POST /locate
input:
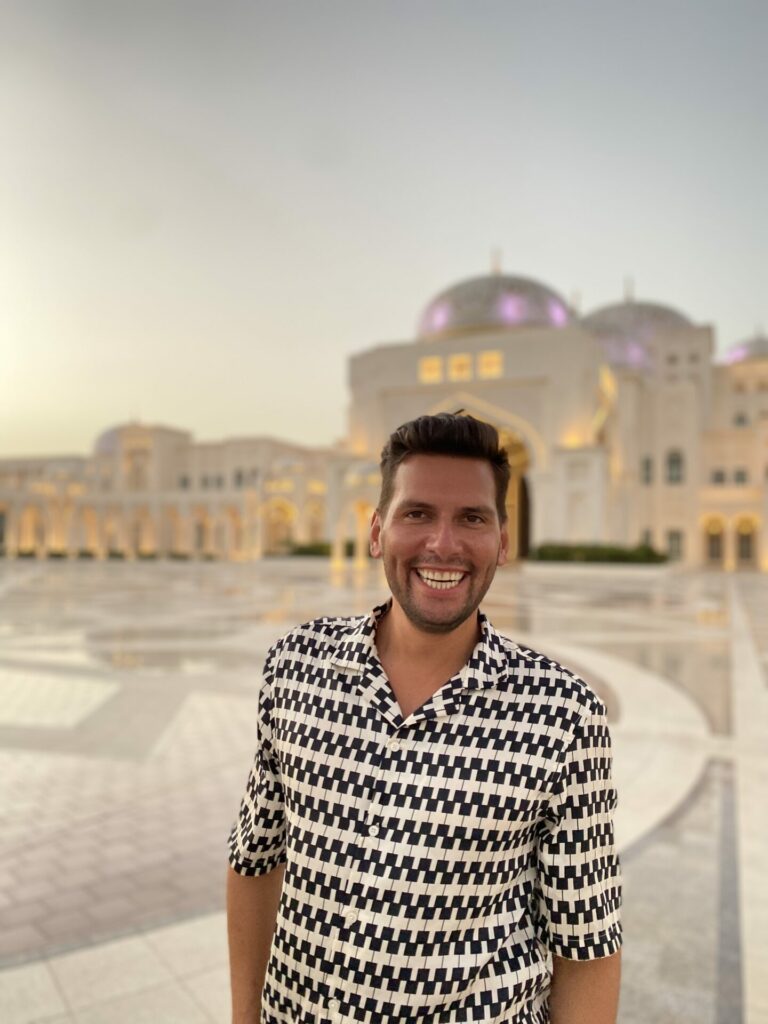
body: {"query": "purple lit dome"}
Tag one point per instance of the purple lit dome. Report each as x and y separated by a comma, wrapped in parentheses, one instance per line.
(626, 329)
(493, 303)
(755, 347)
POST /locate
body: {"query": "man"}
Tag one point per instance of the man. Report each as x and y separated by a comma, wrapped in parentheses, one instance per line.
(426, 834)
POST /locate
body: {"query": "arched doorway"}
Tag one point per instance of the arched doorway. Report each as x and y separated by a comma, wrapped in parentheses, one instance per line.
(31, 532)
(714, 543)
(518, 500)
(746, 543)
(279, 521)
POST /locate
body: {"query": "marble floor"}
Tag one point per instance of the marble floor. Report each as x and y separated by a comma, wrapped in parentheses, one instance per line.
(126, 733)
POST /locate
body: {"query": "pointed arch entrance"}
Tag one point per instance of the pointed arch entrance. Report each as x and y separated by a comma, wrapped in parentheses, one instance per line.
(518, 498)
(528, 455)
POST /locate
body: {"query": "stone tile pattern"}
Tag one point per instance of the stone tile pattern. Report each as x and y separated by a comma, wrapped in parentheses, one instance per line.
(117, 824)
(133, 835)
(675, 956)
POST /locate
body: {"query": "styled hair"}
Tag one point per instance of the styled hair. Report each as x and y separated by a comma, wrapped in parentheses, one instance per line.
(447, 433)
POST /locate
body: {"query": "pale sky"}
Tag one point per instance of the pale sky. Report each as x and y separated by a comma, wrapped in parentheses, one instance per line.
(206, 207)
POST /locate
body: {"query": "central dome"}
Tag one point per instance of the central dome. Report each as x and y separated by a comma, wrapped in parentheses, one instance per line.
(491, 303)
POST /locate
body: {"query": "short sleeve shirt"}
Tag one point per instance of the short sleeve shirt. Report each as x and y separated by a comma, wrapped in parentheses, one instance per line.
(433, 863)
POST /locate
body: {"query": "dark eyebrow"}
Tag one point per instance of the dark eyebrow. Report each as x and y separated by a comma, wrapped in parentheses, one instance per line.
(477, 510)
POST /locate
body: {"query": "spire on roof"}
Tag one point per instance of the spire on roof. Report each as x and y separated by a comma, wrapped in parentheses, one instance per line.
(496, 261)
(629, 288)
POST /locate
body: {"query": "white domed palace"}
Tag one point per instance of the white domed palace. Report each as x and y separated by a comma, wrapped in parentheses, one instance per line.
(620, 425)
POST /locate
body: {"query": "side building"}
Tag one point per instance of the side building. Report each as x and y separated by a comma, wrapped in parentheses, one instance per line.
(152, 491)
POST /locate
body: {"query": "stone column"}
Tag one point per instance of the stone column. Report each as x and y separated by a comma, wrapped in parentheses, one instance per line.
(338, 556)
(11, 531)
(361, 536)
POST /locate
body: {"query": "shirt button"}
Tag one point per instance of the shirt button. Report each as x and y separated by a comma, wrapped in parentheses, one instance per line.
(351, 917)
(373, 830)
(333, 1006)
(394, 744)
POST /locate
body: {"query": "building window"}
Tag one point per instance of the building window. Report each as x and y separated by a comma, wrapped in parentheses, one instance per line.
(741, 420)
(430, 370)
(717, 476)
(739, 387)
(740, 475)
(220, 481)
(675, 467)
(490, 365)
(239, 478)
(646, 469)
(184, 483)
(671, 359)
(204, 482)
(646, 538)
(460, 367)
(675, 545)
(693, 357)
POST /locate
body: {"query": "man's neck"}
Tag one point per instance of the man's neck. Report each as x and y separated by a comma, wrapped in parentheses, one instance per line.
(398, 640)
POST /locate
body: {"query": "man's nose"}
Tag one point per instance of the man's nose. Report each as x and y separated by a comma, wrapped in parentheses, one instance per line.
(443, 538)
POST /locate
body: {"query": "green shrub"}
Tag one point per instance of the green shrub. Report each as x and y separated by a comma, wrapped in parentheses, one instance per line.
(321, 548)
(641, 553)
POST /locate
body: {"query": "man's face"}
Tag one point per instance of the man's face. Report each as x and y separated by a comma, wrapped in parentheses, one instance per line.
(440, 539)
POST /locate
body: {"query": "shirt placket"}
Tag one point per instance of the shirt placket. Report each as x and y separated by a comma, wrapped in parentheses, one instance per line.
(388, 759)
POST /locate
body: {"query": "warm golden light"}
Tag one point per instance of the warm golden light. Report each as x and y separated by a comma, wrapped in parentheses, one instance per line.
(573, 439)
(431, 369)
(490, 364)
(460, 367)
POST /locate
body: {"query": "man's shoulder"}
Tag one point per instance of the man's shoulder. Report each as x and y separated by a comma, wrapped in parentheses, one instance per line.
(544, 678)
(319, 636)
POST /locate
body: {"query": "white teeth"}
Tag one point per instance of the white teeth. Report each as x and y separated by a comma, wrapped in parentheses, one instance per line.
(439, 580)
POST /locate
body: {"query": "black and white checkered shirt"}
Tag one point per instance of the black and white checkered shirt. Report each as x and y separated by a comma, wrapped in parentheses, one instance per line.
(432, 863)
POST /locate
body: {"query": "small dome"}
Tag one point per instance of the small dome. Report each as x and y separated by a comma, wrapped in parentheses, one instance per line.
(625, 329)
(491, 303)
(755, 347)
(108, 442)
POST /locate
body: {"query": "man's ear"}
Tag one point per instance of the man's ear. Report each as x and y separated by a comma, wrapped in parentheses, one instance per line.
(376, 534)
(504, 545)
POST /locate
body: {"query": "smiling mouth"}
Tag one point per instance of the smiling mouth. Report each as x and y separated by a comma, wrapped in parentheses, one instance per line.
(437, 580)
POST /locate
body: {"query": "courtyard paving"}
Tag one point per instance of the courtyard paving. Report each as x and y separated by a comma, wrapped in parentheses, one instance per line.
(127, 701)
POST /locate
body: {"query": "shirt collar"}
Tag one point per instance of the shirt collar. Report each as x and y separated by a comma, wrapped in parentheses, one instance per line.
(487, 664)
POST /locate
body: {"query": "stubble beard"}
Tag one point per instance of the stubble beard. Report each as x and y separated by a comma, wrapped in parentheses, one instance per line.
(403, 596)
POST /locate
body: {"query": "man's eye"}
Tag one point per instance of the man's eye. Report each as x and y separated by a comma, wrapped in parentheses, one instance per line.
(472, 518)
(414, 513)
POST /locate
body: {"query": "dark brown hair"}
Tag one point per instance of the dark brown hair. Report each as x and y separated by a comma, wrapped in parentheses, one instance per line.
(447, 433)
